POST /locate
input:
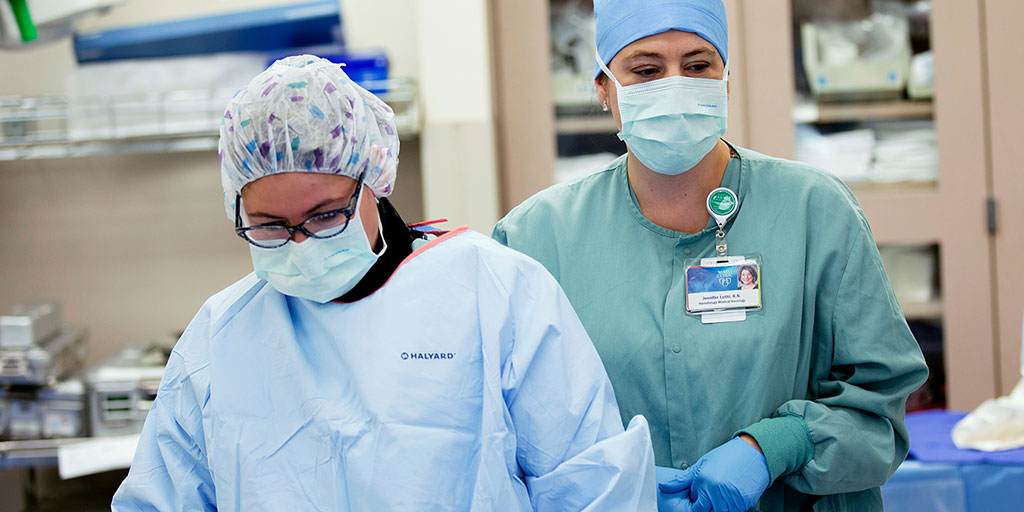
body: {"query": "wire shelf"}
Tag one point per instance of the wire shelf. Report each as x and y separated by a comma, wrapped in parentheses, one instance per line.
(185, 120)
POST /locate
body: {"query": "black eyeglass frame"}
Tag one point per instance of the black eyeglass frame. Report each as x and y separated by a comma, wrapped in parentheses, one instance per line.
(348, 211)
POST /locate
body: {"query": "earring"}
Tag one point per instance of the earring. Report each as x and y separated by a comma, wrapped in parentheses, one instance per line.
(604, 106)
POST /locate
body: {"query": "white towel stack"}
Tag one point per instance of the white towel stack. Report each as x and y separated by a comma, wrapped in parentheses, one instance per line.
(847, 154)
(888, 152)
(906, 152)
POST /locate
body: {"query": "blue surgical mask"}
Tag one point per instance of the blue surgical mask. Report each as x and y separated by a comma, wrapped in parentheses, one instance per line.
(672, 123)
(319, 269)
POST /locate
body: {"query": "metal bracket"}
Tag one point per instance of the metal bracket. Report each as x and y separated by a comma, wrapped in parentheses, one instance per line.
(990, 215)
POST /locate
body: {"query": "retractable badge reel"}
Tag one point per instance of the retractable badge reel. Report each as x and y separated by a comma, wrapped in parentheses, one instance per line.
(722, 204)
(723, 288)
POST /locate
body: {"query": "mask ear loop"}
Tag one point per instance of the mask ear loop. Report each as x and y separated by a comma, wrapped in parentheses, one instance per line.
(380, 223)
(607, 71)
(383, 241)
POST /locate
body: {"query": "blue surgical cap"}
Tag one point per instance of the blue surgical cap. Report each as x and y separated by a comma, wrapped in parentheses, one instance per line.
(620, 22)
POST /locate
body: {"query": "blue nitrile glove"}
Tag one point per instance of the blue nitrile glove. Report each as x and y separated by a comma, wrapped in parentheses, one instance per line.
(730, 478)
(678, 498)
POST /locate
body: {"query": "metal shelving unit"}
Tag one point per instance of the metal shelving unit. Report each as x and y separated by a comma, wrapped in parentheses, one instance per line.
(809, 111)
(32, 453)
(68, 127)
(585, 124)
(74, 457)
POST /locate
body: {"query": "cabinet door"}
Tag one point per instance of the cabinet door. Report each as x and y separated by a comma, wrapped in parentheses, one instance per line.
(1005, 48)
(947, 212)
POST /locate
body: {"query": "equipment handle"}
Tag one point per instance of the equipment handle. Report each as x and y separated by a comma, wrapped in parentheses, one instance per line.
(24, 19)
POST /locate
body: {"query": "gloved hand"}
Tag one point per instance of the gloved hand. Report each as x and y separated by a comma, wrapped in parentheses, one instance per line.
(678, 498)
(730, 478)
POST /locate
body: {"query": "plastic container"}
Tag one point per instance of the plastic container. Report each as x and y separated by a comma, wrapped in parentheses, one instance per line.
(62, 410)
(260, 30)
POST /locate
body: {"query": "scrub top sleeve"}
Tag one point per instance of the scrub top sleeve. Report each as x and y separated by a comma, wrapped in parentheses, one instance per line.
(169, 471)
(856, 421)
(570, 442)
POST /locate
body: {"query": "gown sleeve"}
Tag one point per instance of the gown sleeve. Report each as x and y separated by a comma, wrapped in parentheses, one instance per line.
(170, 470)
(851, 435)
(570, 444)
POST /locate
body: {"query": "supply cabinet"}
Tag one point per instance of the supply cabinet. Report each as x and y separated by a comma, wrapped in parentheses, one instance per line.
(932, 158)
(949, 212)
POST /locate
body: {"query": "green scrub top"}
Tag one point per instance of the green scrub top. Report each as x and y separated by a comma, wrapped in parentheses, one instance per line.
(819, 376)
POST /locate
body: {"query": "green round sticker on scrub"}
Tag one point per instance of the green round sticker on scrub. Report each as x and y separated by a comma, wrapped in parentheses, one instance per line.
(722, 204)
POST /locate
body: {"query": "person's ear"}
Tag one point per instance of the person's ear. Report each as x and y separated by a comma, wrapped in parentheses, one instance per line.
(602, 91)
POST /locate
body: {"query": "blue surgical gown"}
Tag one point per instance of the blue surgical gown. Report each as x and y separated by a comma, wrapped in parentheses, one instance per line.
(465, 383)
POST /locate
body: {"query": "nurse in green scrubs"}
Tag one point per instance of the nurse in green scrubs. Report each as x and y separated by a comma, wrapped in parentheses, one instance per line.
(799, 404)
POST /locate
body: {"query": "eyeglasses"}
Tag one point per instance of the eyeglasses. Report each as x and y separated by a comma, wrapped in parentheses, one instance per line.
(321, 225)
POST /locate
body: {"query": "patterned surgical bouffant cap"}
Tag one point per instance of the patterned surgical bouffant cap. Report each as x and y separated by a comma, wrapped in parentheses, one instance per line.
(304, 114)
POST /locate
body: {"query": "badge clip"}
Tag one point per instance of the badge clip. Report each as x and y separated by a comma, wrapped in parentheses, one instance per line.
(722, 204)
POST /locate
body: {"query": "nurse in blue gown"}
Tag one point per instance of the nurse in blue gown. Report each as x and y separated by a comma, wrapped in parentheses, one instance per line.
(364, 365)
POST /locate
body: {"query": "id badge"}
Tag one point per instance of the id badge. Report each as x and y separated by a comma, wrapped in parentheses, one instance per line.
(723, 289)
